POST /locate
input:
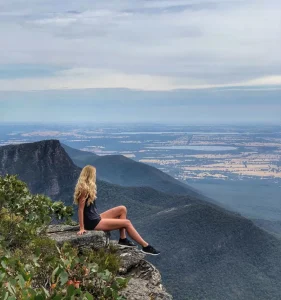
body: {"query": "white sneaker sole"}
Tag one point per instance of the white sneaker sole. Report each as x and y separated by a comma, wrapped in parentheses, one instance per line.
(124, 246)
(149, 253)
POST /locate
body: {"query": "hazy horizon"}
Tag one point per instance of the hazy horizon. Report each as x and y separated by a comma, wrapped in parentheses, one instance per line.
(141, 123)
(210, 106)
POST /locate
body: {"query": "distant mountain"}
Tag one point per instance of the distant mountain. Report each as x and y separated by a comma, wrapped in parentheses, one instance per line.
(270, 226)
(207, 251)
(119, 169)
(44, 165)
(80, 156)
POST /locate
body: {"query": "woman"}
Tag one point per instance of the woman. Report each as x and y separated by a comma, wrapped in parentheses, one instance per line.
(115, 218)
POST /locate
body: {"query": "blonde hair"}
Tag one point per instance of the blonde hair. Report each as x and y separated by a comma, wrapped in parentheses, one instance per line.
(86, 184)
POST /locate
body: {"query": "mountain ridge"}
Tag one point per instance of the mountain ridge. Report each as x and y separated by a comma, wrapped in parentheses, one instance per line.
(43, 165)
(121, 170)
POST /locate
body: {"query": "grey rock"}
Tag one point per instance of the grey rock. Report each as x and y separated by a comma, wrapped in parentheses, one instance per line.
(146, 271)
(91, 239)
(130, 257)
(62, 228)
(145, 283)
(139, 289)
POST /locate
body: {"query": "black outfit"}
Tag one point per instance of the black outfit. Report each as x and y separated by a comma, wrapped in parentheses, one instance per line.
(91, 216)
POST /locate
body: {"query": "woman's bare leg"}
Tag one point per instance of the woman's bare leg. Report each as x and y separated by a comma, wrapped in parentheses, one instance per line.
(116, 212)
(113, 224)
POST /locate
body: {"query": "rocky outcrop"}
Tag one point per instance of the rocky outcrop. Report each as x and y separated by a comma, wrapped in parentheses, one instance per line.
(90, 239)
(145, 282)
(44, 166)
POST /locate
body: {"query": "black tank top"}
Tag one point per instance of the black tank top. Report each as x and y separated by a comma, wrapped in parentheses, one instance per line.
(91, 212)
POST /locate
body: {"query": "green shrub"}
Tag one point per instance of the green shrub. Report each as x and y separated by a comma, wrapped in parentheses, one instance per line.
(15, 231)
(71, 277)
(105, 258)
(22, 215)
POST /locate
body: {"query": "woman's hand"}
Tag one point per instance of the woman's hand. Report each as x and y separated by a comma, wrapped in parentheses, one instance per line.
(81, 231)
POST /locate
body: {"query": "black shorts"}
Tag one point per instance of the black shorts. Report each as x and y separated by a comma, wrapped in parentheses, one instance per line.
(91, 224)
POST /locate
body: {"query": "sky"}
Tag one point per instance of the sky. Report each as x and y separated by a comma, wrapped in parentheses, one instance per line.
(140, 60)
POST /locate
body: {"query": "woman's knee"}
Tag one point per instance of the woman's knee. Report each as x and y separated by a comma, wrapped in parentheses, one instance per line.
(127, 223)
(123, 209)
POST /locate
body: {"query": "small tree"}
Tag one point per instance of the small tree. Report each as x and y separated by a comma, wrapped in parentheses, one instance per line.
(23, 215)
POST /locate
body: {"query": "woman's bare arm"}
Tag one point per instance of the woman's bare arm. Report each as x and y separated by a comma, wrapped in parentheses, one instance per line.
(81, 205)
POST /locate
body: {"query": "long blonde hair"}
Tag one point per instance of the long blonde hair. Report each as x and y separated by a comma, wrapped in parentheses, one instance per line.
(86, 184)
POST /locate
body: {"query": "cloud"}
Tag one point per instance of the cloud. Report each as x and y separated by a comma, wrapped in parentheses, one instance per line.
(143, 44)
(85, 78)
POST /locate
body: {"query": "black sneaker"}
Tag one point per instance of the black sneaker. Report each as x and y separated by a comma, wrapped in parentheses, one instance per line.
(125, 243)
(150, 250)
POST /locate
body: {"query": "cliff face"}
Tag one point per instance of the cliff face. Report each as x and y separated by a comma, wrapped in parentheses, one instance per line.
(44, 166)
(145, 283)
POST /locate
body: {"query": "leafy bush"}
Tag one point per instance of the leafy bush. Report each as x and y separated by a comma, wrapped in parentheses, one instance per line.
(105, 258)
(72, 277)
(33, 267)
(22, 215)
